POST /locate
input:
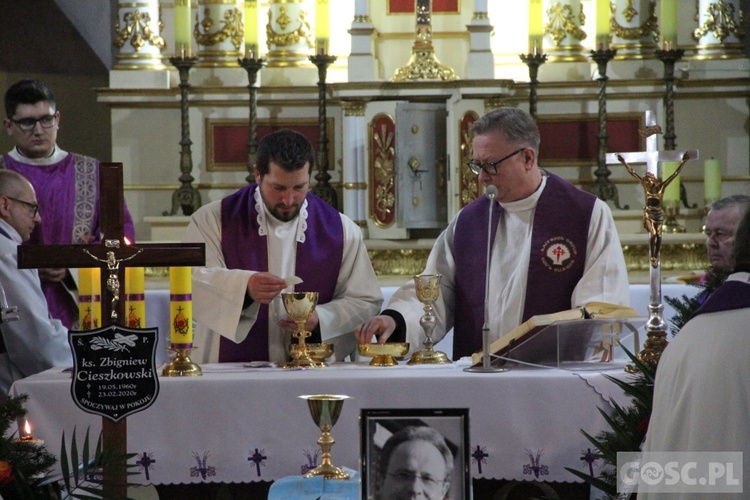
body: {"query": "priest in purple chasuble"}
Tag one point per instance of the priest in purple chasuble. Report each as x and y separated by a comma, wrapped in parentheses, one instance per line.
(554, 247)
(66, 184)
(702, 387)
(263, 234)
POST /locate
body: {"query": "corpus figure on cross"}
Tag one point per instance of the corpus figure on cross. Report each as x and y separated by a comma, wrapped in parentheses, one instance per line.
(653, 213)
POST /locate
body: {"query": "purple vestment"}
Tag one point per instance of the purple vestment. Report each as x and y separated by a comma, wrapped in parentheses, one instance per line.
(68, 197)
(318, 260)
(558, 254)
(728, 297)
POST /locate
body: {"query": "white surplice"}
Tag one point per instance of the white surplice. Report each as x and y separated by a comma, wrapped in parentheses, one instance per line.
(219, 293)
(605, 276)
(702, 391)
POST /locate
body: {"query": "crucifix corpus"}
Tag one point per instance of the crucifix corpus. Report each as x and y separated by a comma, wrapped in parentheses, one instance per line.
(112, 255)
(653, 221)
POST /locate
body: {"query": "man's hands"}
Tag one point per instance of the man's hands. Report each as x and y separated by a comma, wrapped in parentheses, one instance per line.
(263, 287)
(52, 274)
(310, 325)
(382, 326)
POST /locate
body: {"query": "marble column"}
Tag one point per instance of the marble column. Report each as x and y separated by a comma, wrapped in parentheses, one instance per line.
(634, 29)
(481, 62)
(354, 132)
(563, 30)
(362, 64)
(290, 36)
(219, 32)
(719, 32)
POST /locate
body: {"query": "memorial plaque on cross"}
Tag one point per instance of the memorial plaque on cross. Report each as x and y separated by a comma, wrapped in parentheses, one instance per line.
(112, 255)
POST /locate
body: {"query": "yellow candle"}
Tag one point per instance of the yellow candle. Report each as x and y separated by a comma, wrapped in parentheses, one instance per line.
(672, 191)
(668, 24)
(602, 23)
(89, 298)
(181, 307)
(182, 36)
(135, 297)
(711, 180)
(536, 26)
(321, 25)
(251, 27)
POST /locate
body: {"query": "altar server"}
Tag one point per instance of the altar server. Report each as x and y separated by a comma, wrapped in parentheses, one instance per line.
(702, 388)
(264, 233)
(67, 185)
(554, 247)
(34, 342)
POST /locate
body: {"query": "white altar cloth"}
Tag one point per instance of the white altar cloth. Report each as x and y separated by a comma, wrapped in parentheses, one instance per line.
(236, 424)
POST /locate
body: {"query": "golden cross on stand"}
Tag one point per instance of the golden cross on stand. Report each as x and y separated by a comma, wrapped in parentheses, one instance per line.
(112, 256)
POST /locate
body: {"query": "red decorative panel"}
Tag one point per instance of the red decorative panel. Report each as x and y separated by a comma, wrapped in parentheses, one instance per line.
(572, 140)
(469, 182)
(226, 140)
(382, 170)
(407, 6)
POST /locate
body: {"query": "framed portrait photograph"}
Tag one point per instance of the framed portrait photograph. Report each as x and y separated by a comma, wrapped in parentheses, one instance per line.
(408, 453)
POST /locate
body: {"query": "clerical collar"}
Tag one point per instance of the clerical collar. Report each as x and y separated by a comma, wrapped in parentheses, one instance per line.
(527, 203)
(266, 218)
(8, 231)
(57, 156)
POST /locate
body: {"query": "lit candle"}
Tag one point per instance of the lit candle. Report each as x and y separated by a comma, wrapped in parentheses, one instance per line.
(182, 27)
(180, 307)
(321, 26)
(711, 180)
(668, 24)
(89, 298)
(672, 191)
(602, 24)
(251, 28)
(26, 436)
(135, 297)
(536, 26)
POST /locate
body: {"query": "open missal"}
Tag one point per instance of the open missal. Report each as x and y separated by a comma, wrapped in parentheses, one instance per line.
(534, 325)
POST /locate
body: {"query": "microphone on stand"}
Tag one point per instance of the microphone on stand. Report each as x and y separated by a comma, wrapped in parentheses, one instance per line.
(491, 193)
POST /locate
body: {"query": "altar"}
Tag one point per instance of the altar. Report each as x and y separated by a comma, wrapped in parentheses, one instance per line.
(238, 424)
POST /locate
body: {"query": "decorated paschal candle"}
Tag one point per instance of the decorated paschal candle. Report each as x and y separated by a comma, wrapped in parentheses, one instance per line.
(180, 307)
(135, 297)
(89, 298)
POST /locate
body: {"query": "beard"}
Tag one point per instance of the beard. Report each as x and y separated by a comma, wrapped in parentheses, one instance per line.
(288, 213)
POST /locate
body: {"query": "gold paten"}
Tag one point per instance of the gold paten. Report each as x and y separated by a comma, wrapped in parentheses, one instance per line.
(383, 354)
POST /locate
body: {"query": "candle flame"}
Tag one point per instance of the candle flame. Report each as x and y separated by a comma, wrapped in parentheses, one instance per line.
(127, 241)
(27, 430)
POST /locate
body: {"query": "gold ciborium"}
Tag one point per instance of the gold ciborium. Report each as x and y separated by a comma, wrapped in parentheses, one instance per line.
(325, 410)
(428, 291)
(383, 354)
(299, 306)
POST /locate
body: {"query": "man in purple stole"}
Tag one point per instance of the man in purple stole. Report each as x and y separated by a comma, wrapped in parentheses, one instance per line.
(554, 247)
(67, 185)
(702, 388)
(260, 237)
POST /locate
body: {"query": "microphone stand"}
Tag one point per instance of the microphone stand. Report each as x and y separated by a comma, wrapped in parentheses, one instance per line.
(487, 367)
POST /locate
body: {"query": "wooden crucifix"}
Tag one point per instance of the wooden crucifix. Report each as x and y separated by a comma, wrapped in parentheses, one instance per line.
(112, 255)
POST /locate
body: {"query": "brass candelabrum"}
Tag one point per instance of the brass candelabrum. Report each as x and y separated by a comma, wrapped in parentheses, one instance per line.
(533, 61)
(186, 196)
(605, 188)
(323, 186)
(252, 65)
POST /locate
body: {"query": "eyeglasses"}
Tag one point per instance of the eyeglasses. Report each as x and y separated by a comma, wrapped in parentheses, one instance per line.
(28, 124)
(489, 168)
(32, 206)
(718, 235)
(409, 477)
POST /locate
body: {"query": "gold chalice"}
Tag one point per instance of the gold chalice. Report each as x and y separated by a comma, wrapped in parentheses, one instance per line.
(299, 306)
(428, 291)
(383, 354)
(325, 410)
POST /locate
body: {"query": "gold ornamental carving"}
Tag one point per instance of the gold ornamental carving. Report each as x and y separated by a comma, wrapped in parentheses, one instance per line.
(720, 21)
(384, 172)
(470, 189)
(423, 64)
(232, 29)
(353, 108)
(279, 39)
(562, 23)
(648, 27)
(629, 12)
(403, 262)
(137, 29)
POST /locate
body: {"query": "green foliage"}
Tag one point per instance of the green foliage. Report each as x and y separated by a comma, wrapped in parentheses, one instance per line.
(627, 426)
(24, 464)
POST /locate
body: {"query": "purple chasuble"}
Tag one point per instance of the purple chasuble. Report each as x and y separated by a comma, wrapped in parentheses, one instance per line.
(68, 196)
(728, 297)
(558, 254)
(318, 261)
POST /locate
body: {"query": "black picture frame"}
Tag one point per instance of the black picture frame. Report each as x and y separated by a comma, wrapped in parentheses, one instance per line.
(377, 425)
